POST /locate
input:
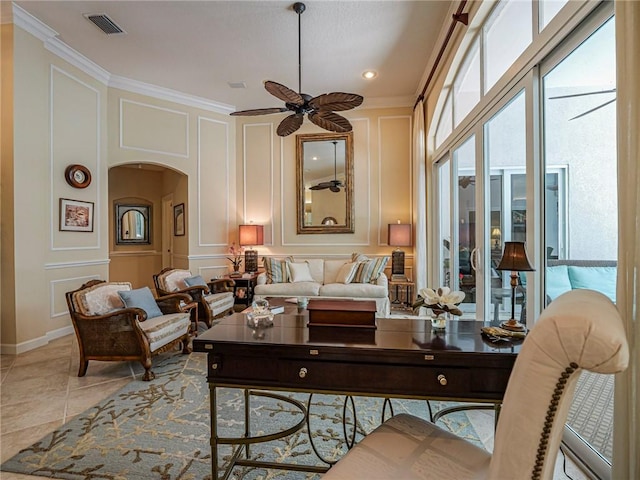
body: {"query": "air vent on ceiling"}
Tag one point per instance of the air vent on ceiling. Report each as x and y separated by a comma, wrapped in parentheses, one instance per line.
(237, 84)
(104, 23)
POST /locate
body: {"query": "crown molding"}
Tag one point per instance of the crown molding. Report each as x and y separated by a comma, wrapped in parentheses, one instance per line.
(48, 36)
(155, 91)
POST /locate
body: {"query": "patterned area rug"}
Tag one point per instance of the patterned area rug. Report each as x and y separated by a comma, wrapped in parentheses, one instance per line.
(160, 429)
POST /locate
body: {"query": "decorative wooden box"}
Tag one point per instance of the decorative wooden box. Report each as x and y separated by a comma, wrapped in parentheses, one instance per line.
(342, 313)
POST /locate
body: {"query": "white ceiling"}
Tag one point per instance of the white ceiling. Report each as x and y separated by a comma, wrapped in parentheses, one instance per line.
(197, 47)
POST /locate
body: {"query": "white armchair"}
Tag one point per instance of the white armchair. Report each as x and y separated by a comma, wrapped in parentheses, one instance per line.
(580, 330)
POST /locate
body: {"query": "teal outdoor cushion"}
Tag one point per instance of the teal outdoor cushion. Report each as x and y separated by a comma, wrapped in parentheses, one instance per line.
(601, 279)
(141, 298)
(558, 282)
(195, 281)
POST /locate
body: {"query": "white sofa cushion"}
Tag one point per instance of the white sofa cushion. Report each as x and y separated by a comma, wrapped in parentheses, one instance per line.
(299, 289)
(331, 269)
(356, 290)
(316, 267)
(299, 272)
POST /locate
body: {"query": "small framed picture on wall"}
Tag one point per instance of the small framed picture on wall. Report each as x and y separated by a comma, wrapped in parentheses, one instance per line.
(178, 220)
(76, 215)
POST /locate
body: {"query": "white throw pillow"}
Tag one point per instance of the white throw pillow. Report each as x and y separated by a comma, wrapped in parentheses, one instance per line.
(299, 272)
(346, 273)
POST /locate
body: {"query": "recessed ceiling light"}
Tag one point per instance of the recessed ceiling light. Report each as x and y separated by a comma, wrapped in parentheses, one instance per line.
(370, 74)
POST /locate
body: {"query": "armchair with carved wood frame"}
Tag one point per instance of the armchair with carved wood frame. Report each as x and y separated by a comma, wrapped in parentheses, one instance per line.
(108, 331)
(215, 299)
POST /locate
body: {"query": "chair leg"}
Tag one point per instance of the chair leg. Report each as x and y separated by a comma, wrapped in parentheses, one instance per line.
(148, 375)
(82, 370)
(186, 346)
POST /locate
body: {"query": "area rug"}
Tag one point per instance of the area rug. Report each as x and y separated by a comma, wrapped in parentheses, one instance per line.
(161, 429)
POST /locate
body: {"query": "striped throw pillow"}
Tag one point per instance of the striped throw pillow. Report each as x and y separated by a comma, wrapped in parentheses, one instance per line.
(369, 271)
(276, 270)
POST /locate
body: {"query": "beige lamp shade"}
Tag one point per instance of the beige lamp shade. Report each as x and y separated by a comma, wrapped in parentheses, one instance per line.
(400, 234)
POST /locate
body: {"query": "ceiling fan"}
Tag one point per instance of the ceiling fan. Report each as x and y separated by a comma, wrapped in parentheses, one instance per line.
(335, 184)
(598, 92)
(320, 110)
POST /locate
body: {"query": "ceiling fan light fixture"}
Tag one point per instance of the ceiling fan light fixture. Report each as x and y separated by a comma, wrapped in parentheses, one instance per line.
(320, 109)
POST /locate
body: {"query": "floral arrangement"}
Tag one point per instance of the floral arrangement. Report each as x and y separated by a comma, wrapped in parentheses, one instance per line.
(439, 301)
(236, 255)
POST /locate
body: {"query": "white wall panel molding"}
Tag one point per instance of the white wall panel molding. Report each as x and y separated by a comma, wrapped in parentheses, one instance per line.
(258, 191)
(56, 193)
(135, 253)
(408, 174)
(88, 263)
(57, 290)
(178, 117)
(212, 272)
(213, 189)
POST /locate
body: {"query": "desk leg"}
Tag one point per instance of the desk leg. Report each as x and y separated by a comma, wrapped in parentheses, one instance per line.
(214, 431)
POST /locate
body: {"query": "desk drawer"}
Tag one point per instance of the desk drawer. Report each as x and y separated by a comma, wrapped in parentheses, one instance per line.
(387, 379)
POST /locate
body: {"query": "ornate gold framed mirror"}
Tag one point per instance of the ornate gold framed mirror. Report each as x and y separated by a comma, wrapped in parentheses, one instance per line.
(324, 174)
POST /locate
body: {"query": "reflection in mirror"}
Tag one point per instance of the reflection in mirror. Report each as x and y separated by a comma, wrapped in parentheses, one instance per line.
(133, 224)
(324, 171)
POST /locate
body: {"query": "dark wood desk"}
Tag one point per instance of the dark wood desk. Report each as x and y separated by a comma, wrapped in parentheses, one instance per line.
(402, 358)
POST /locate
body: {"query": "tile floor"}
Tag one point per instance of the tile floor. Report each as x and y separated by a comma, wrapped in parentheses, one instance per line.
(40, 391)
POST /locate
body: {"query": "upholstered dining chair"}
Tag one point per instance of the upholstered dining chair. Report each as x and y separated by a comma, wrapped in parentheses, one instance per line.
(581, 329)
(114, 322)
(215, 298)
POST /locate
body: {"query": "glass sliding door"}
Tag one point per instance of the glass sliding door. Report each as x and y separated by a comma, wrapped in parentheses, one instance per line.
(505, 139)
(463, 244)
(443, 189)
(580, 210)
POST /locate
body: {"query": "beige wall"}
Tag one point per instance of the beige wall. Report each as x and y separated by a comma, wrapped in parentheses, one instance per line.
(382, 183)
(225, 174)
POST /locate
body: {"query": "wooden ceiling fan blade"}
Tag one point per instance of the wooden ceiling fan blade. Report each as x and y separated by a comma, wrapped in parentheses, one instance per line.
(283, 93)
(571, 95)
(593, 109)
(260, 111)
(334, 189)
(331, 121)
(320, 186)
(336, 101)
(290, 124)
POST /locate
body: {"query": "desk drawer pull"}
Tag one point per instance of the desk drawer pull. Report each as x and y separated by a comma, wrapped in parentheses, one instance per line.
(303, 372)
(214, 366)
(442, 380)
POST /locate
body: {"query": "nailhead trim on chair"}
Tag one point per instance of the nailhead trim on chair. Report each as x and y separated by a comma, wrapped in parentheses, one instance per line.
(548, 423)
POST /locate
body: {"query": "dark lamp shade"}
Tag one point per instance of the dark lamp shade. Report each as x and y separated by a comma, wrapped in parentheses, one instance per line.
(515, 258)
(251, 235)
(400, 234)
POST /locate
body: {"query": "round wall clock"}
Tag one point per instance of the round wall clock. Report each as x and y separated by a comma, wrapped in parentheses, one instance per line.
(77, 176)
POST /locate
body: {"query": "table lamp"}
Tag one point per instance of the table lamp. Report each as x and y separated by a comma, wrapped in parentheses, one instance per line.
(250, 236)
(399, 236)
(514, 258)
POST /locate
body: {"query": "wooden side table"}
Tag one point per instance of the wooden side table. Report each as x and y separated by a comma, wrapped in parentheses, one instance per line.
(243, 289)
(402, 286)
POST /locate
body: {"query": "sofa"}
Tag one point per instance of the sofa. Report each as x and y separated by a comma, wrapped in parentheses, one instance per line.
(565, 275)
(355, 278)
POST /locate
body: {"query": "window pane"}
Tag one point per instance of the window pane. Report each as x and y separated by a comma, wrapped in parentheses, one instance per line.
(505, 157)
(445, 126)
(467, 85)
(548, 10)
(581, 207)
(507, 35)
(444, 211)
